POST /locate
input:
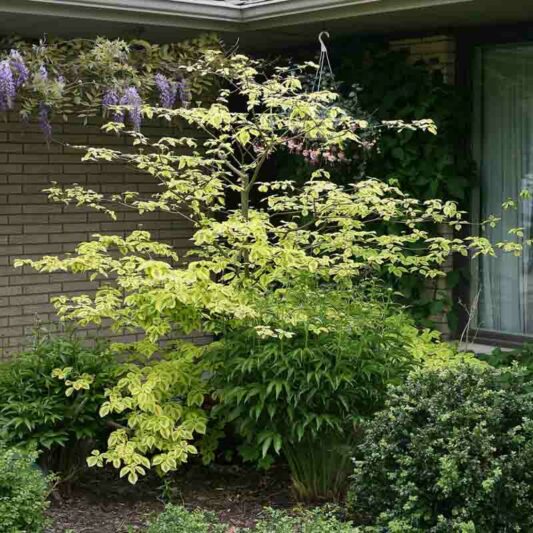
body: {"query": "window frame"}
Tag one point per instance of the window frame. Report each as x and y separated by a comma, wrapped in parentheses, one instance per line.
(468, 43)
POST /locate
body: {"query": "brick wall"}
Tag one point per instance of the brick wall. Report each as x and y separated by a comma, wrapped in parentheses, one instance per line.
(31, 226)
(437, 51)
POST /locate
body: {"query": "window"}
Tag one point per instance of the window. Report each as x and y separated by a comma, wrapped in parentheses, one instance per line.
(504, 149)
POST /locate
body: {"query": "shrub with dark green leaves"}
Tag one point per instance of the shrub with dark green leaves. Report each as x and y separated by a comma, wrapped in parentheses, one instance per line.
(301, 383)
(55, 415)
(23, 492)
(452, 451)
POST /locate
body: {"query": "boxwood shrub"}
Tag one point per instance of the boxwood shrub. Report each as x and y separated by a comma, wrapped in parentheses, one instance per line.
(452, 451)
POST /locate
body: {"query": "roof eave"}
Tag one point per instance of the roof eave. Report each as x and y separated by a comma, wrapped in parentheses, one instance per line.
(206, 15)
(213, 15)
(279, 14)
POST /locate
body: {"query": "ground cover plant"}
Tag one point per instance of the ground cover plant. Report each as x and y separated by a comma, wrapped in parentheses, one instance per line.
(451, 451)
(504, 357)
(177, 519)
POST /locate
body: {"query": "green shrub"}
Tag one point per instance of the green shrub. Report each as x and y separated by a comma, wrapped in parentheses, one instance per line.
(37, 407)
(23, 492)
(305, 391)
(452, 451)
(176, 519)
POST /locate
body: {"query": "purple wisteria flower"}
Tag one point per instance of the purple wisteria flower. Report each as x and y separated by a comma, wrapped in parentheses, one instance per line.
(110, 98)
(44, 121)
(167, 91)
(18, 63)
(132, 99)
(7, 86)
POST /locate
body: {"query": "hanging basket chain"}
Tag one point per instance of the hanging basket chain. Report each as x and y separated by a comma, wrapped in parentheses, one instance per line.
(323, 62)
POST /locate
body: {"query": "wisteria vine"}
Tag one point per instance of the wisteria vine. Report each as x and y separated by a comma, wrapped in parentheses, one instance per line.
(52, 80)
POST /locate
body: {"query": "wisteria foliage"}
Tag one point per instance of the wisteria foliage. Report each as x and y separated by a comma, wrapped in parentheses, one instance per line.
(62, 79)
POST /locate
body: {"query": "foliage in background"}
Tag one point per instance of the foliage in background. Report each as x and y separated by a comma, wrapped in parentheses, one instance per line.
(384, 84)
(23, 492)
(39, 409)
(306, 392)
(176, 519)
(85, 78)
(392, 86)
(299, 236)
(505, 358)
(451, 451)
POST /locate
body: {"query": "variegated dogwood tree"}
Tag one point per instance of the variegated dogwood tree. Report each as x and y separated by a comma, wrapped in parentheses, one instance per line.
(253, 235)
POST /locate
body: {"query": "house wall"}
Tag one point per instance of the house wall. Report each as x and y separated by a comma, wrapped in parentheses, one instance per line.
(31, 226)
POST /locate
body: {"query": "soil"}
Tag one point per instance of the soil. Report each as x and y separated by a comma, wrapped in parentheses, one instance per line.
(100, 502)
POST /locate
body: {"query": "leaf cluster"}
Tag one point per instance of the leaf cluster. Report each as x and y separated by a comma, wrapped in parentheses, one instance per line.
(161, 402)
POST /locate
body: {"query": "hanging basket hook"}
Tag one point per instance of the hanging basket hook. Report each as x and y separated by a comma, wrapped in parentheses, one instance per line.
(321, 36)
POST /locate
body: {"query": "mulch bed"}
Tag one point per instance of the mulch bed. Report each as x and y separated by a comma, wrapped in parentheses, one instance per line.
(100, 502)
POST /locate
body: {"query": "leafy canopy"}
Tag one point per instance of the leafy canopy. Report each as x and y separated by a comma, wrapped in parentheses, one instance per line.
(276, 236)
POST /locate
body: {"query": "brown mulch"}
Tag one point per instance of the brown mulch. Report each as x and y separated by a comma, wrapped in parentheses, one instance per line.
(100, 502)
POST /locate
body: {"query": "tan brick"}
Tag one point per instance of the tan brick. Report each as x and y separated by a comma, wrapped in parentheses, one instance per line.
(42, 148)
(24, 199)
(38, 309)
(10, 311)
(10, 148)
(10, 189)
(28, 219)
(26, 238)
(27, 158)
(29, 300)
(6, 229)
(44, 228)
(41, 209)
(43, 288)
(22, 321)
(42, 169)
(11, 168)
(41, 249)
